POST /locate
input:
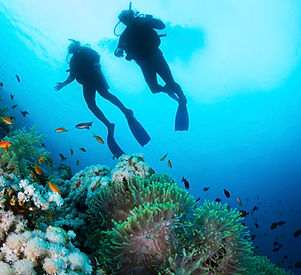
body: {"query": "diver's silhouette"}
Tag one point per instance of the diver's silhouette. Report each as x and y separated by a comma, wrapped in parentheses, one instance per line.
(141, 42)
(85, 68)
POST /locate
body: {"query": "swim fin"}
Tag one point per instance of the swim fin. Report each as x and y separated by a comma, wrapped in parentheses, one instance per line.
(112, 144)
(138, 131)
(182, 118)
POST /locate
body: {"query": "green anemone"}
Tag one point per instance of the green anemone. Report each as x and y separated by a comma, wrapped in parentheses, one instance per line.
(261, 266)
(214, 240)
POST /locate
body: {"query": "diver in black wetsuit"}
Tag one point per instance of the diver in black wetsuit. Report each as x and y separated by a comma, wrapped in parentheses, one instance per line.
(85, 68)
(141, 42)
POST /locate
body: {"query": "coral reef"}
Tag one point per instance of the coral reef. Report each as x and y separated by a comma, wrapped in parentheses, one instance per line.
(26, 148)
(37, 252)
(129, 220)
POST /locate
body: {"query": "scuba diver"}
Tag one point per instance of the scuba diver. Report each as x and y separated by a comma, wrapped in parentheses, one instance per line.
(141, 42)
(85, 68)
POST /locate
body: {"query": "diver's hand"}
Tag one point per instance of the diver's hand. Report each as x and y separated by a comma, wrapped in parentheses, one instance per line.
(118, 52)
(59, 86)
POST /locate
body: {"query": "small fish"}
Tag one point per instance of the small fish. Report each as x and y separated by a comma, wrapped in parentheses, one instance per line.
(53, 187)
(205, 189)
(84, 125)
(5, 144)
(285, 256)
(186, 183)
(164, 157)
(50, 162)
(18, 78)
(218, 200)
(77, 162)
(298, 264)
(227, 194)
(169, 164)
(239, 201)
(63, 158)
(7, 120)
(38, 170)
(12, 96)
(273, 225)
(14, 106)
(281, 223)
(43, 144)
(41, 159)
(297, 233)
(33, 175)
(24, 113)
(82, 149)
(255, 208)
(13, 118)
(1, 84)
(60, 130)
(256, 225)
(198, 199)
(253, 237)
(71, 151)
(99, 139)
(275, 243)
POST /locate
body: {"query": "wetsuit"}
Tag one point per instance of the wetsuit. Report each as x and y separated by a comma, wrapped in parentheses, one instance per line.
(85, 67)
(141, 43)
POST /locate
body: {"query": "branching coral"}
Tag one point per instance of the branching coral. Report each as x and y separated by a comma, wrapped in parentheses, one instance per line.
(25, 150)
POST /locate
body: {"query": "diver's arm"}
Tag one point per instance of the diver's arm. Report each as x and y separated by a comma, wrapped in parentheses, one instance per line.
(61, 85)
(70, 78)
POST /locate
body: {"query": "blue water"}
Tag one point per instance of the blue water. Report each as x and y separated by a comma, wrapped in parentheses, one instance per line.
(239, 65)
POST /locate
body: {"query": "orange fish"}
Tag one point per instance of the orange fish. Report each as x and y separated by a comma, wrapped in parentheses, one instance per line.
(99, 139)
(5, 144)
(7, 120)
(169, 163)
(163, 158)
(38, 170)
(33, 175)
(41, 159)
(53, 187)
(60, 130)
(239, 201)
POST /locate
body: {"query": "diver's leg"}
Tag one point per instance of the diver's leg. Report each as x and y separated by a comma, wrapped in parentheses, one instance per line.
(172, 88)
(113, 99)
(150, 77)
(89, 95)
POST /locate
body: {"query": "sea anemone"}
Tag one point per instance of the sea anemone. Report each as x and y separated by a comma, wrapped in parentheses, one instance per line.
(145, 240)
(261, 266)
(218, 241)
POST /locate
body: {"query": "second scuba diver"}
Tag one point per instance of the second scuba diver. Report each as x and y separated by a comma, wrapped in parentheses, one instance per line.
(141, 42)
(85, 68)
